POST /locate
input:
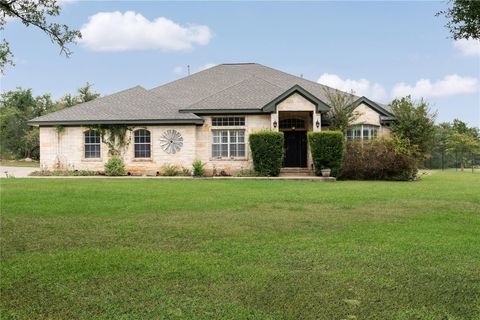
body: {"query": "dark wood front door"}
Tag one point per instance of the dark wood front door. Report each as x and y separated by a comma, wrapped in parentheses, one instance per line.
(295, 149)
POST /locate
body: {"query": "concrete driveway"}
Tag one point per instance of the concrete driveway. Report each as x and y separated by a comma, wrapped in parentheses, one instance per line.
(17, 172)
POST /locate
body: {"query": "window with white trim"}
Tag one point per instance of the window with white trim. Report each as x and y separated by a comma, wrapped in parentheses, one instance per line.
(142, 143)
(92, 144)
(228, 143)
(228, 121)
(362, 131)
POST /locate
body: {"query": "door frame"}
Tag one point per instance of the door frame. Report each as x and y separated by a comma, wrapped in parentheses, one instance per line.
(303, 149)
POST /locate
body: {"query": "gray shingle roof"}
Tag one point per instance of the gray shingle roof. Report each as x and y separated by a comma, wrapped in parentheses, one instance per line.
(131, 105)
(223, 87)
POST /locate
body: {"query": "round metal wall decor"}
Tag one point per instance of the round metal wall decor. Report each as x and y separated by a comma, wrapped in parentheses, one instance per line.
(171, 141)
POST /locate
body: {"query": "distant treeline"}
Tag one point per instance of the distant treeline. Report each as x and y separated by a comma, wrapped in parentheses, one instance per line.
(19, 140)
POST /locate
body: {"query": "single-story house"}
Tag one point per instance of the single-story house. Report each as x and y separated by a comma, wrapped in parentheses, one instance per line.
(207, 116)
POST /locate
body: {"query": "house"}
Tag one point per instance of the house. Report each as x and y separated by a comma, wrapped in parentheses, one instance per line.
(207, 116)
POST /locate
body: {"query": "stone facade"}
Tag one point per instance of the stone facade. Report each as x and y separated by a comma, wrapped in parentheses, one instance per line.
(369, 116)
(64, 149)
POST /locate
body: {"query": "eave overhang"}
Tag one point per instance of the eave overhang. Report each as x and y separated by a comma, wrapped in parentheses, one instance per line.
(133, 122)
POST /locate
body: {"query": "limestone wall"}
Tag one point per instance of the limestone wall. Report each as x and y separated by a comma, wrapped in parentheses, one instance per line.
(65, 150)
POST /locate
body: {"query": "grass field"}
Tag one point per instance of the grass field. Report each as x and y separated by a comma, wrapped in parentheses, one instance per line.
(202, 249)
(19, 164)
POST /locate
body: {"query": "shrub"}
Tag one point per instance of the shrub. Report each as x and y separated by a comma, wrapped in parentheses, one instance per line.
(327, 151)
(185, 172)
(47, 173)
(114, 167)
(267, 152)
(198, 168)
(169, 170)
(380, 159)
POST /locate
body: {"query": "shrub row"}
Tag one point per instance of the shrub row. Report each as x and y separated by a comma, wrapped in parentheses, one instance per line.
(379, 159)
(267, 152)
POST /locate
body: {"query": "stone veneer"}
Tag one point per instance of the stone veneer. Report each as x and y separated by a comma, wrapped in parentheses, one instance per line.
(65, 149)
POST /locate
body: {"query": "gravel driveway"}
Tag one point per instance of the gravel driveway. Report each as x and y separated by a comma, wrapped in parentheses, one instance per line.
(17, 172)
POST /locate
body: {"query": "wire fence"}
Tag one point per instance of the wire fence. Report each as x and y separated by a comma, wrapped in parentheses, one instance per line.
(458, 161)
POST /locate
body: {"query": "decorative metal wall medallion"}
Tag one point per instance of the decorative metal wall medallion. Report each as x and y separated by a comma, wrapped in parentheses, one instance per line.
(171, 141)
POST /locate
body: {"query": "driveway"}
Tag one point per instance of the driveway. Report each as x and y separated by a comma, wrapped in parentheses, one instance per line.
(17, 172)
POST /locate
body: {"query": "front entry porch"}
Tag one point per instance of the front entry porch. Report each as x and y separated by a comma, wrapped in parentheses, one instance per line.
(294, 126)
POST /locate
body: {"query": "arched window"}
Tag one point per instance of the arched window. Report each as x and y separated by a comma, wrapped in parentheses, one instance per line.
(292, 123)
(142, 143)
(91, 144)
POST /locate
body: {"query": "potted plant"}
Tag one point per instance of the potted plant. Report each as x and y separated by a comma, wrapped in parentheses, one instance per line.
(326, 172)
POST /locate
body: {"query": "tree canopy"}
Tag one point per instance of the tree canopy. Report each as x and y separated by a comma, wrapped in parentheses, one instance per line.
(35, 13)
(463, 19)
(342, 109)
(17, 138)
(415, 122)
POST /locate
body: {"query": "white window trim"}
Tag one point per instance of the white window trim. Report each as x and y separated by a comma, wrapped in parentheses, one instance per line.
(229, 130)
(150, 143)
(363, 127)
(84, 158)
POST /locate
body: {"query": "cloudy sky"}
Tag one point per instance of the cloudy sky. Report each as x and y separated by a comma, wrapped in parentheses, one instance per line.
(378, 49)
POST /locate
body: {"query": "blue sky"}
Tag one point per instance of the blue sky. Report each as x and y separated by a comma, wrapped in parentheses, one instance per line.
(379, 49)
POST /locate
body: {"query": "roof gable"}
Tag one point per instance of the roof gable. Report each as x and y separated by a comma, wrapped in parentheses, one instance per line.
(373, 105)
(319, 104)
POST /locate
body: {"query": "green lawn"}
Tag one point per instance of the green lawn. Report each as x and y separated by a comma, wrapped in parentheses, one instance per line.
(203, 249)
(19, 164)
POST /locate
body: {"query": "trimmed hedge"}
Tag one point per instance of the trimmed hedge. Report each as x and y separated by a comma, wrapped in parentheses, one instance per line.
(267, 152)
(380, 159)
(327, 151)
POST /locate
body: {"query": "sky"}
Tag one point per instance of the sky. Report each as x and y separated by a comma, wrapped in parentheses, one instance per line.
(381, 50)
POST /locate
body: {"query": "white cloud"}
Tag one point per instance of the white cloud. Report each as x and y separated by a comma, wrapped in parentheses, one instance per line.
(470, 47)
(450, 85)
(361, 87)
(179, 70)
(116, 31)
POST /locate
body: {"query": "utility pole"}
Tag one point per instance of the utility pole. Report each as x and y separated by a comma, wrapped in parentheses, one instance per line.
(188, 69)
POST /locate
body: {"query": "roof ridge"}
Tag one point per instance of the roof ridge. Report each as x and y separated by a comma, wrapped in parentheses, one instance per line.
(304, 79)
(189, 75)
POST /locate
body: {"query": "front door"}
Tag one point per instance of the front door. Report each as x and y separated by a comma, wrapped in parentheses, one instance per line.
(295, 149)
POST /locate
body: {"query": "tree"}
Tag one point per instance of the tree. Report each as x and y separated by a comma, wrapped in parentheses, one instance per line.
(442, 135)
(462, 128)
(35, 12)
(463, 19)
(16, 108)
(17, 138)
(463, 146)
(342, 112)
(86, 94)
(415, 122)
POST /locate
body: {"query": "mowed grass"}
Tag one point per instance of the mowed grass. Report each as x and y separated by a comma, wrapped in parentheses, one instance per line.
(9, 163)
(203, 249)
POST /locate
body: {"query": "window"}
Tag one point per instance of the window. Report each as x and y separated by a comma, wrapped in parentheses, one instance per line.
(292, 123)
(362, 131)
(142, 143)
(228, 143)
(228, 121)
(92, 144)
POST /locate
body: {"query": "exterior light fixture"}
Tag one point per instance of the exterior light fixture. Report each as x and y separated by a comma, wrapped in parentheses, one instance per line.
(274, 124)
(317, 124)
